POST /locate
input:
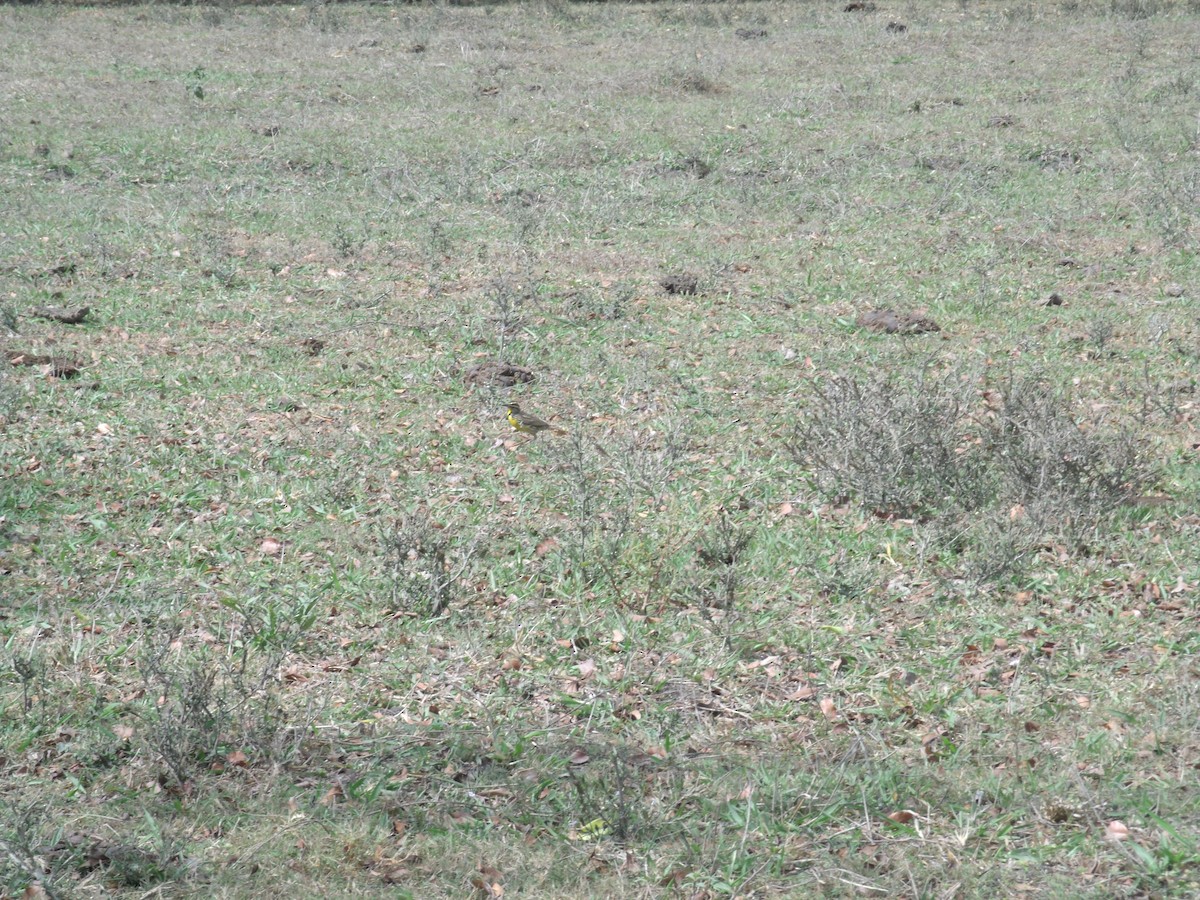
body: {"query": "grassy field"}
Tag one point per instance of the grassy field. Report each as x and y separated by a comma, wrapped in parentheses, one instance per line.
(792, 607)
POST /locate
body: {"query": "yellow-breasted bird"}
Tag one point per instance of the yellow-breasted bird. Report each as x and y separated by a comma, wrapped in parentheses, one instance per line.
(527, 424)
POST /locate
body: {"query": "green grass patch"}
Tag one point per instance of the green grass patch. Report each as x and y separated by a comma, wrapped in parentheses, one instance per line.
(786, 604)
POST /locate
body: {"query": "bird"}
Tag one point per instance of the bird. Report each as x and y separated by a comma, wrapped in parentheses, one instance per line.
(527, 424)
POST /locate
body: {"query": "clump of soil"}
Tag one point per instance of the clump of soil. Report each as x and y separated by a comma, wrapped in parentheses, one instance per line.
(1056, 158)
(939, 163)
(680, 283)
(697, 83)
(58, 314)
(891, 322)
(694, 166)
(495, 373)
(58, 366)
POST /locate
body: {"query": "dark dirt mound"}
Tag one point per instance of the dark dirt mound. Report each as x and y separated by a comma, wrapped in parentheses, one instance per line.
(58, 314)
(680, 283)
(495, 373)
(59, 366)
(892, 322)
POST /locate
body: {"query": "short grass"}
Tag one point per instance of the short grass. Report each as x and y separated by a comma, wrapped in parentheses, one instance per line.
(792, 608)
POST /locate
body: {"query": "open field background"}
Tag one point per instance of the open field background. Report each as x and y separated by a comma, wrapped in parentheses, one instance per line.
(791, 608)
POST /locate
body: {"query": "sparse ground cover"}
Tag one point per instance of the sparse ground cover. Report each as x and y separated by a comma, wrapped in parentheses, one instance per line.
(794, 606)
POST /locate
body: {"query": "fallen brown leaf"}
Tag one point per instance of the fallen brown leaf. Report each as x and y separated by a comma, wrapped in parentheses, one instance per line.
(675, 876)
